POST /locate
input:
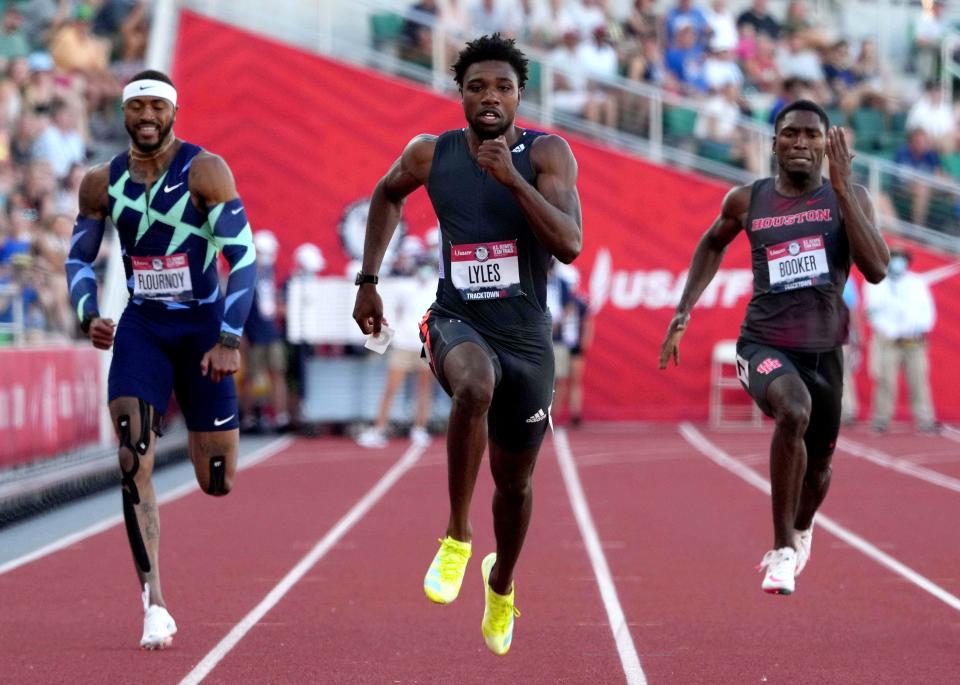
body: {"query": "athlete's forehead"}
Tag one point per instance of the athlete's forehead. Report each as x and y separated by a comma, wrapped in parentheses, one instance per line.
(802, 120)
(148, 100)
(490, 71)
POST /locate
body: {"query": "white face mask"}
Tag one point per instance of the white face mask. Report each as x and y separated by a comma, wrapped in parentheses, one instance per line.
(897, 266)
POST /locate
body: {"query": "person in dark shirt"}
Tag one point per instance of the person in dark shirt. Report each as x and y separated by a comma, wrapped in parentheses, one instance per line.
(761, 20)
(804, 234)
(507, 201)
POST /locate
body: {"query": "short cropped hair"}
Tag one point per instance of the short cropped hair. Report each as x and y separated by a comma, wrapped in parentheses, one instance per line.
(802, 106)
(494, 48)
(153, 75)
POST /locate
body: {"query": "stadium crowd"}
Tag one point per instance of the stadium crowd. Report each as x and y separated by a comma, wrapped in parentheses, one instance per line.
(62, 66)
(740, 60)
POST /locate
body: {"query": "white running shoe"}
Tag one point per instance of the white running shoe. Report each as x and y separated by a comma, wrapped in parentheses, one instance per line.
(158, 625)
(372, 438)
(803, 540)
(781, 565)
(419, 436)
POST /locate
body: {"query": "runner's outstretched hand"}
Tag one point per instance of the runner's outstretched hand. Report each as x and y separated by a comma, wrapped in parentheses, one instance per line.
(671, 343)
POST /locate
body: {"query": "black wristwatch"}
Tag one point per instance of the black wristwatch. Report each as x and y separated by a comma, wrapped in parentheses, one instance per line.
(229, 340)
(366, 278)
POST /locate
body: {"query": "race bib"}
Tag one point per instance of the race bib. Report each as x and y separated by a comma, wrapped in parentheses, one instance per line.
(798, 263)
(485, 271)
(162, 278)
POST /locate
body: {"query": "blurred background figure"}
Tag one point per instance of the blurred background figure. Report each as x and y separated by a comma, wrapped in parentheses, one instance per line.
(572, 334)
(852, 355)
(415, 285)
(308, 265)
(265, 355)
(901, 313)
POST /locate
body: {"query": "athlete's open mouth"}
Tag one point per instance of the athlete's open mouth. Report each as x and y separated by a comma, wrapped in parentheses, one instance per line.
(490, 115)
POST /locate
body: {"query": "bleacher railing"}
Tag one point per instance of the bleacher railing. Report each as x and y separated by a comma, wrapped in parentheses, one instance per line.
(918, 205)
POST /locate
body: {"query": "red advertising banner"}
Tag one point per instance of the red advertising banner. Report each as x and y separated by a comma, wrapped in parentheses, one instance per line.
(308, 139)
(50, 401)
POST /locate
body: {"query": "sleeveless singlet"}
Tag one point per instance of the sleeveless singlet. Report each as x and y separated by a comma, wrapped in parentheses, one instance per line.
(801, 260)
(493, 269)
(169, 253)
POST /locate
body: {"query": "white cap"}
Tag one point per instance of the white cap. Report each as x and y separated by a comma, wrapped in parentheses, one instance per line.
(309, 257)
(266, 242)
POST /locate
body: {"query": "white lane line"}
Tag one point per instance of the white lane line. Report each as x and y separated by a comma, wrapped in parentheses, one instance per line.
(357, 512)
(951, 433)
(255, 457)
(715, 454)
(608, 591)
(900, 465)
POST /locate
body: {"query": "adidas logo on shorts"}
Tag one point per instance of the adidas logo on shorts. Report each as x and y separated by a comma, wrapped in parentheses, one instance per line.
(539, 416)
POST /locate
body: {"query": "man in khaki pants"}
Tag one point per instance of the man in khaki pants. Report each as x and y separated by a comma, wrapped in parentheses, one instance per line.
(901, 313)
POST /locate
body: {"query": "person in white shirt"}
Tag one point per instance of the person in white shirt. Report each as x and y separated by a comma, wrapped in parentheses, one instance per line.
(901, 313)
(935, 116)
(60, 143)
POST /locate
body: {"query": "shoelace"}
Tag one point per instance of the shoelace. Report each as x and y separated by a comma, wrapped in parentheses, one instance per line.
(451, 561)
(501, 610)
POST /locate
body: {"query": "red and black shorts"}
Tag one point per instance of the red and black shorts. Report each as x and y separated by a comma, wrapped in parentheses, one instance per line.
(520, 410)
(821, 372)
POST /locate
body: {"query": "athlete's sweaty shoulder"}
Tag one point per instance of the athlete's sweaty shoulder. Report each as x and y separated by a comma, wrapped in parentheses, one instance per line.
(412, 168)
(93, 200)
(550, 152)
(210, 181)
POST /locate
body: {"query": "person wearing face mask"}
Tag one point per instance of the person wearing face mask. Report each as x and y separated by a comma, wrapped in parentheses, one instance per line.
(901, 313)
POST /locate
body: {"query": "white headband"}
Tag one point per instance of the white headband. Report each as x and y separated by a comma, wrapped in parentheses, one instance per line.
(150, 89)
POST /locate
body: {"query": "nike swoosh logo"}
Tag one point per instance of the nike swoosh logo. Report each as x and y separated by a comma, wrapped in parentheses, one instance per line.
(145, 87)
(237, 210)
(170, 189)
(220, 422)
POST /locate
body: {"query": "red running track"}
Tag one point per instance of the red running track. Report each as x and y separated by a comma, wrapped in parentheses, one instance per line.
(680, 535)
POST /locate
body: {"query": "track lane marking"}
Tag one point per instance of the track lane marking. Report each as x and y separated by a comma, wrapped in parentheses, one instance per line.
(261, 454)
(721, 458)
(351, 518)
(904, 466)
(601, 570)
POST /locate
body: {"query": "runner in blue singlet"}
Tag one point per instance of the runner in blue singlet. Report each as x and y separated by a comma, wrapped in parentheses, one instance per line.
(175, 207)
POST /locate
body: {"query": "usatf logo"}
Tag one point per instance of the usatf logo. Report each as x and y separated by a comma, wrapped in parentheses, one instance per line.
(768, 365)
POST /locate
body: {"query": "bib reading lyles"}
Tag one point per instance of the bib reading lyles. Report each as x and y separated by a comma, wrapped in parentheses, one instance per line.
(162, 278)
(798, 263)
(485, 271)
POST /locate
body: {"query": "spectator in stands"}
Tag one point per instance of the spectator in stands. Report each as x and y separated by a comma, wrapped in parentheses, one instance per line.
(591, 14)
(42, 17)
(134, 33)
(642, 22)
(521, 18)
(550, 25)
(761, 70)
(928, 33)
(685, 14)
(573, 91)
(599, 59)
(918, 154)
(76, 51)
(685, 60)
(761, 20)
(793, 89)
(935, 116)
(718, 132)
(796, 60)
(416, 34)
(873, 73)
(60, 143)
(722, 26)
(798, 22)
(842, 79)
(13, 39)
(902, 313)
(720, 68)
(40, 87)
(488, 17)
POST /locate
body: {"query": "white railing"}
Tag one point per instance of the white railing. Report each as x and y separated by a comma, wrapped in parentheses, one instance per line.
(342, 29)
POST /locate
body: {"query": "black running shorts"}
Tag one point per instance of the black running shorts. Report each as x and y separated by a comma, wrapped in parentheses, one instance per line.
(822, 372)
(520, 410)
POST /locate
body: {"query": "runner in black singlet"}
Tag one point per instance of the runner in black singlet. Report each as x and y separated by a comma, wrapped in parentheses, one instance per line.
(804, 234)
(506, 200)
